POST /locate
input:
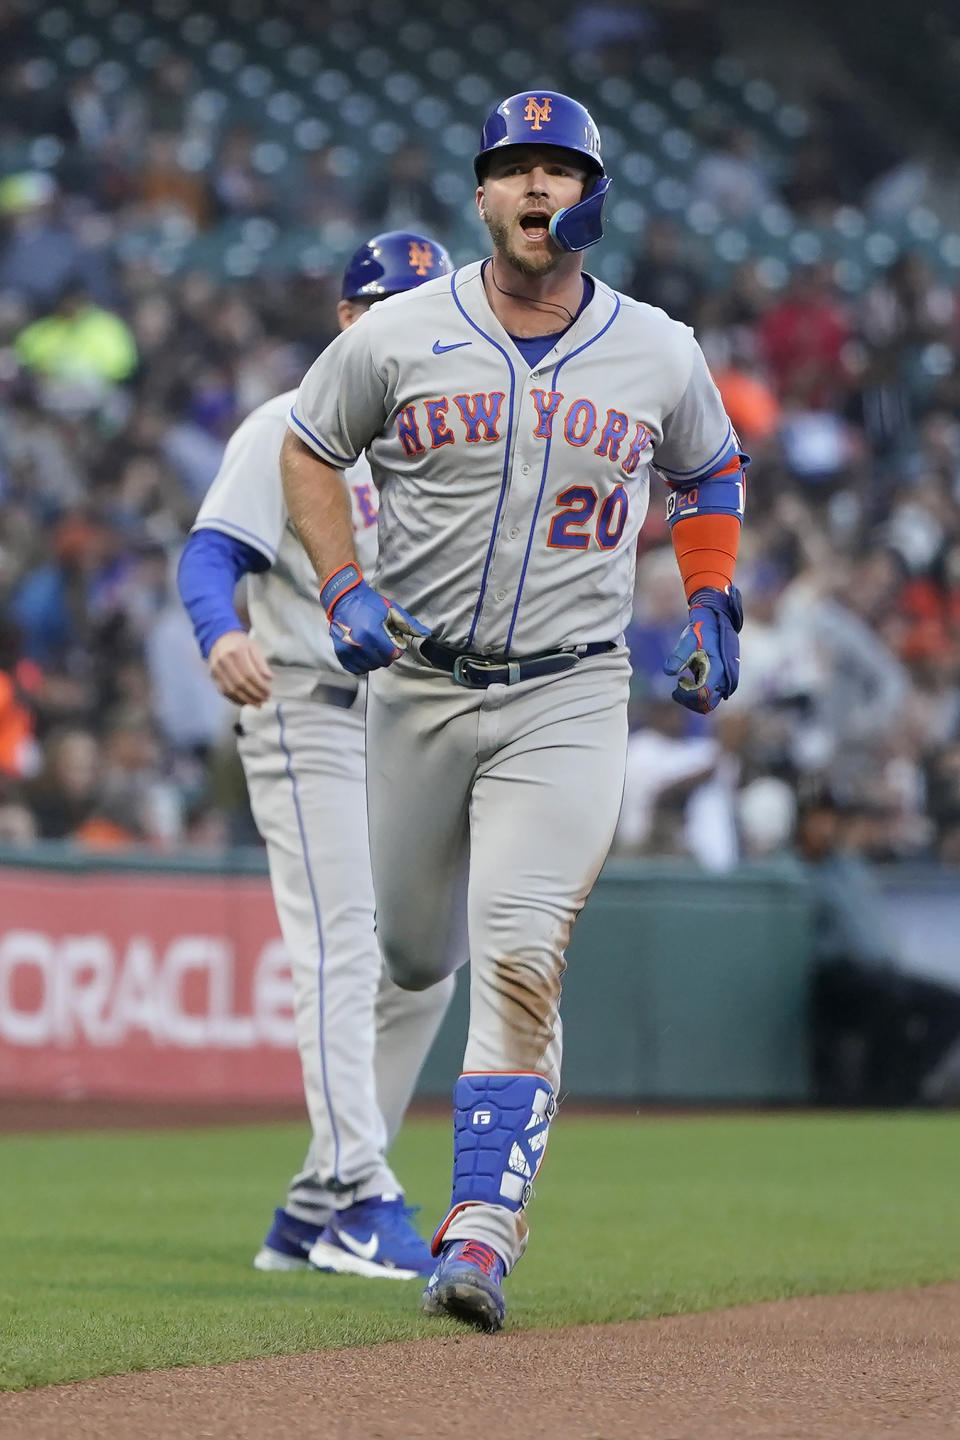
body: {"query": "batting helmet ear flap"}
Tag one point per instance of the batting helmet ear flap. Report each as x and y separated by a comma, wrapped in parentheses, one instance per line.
(580, 225)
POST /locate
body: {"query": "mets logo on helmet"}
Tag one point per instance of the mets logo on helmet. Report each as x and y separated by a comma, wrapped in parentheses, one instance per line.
(420, 257)
(537, 112)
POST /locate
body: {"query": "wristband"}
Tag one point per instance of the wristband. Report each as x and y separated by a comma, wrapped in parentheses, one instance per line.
(337, 585)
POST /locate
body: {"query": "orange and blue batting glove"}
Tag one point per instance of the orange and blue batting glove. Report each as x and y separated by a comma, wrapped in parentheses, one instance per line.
(368, 631)
(709, 649)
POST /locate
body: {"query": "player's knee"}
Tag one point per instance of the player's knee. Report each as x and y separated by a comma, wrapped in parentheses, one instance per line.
(409, 972)
(415, 979)
(416, 957)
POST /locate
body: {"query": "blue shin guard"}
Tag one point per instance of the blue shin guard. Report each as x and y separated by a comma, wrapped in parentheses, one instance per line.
(500, 1125)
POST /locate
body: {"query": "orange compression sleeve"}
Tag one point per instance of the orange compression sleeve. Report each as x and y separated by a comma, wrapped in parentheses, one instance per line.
(706, 550)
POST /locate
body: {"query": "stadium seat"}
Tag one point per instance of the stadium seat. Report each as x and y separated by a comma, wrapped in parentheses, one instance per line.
(331, 85)
(416, 37)
(302, 61)
(399, 76)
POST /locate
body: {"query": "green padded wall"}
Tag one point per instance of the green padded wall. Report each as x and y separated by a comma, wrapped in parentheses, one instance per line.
(681, 985)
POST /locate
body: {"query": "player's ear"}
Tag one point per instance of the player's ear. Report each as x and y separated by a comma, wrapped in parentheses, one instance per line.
(348, 311)
(480, 206)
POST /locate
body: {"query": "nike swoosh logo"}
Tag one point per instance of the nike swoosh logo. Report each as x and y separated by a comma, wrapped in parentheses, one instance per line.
(363, 1249)
(439, 349)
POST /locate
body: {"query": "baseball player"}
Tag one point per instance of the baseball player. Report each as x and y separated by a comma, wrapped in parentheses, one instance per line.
(512, 413)
(362, 1040)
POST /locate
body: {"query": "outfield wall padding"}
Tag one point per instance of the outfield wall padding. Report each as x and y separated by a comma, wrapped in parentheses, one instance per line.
(681, 986)
(167, 980)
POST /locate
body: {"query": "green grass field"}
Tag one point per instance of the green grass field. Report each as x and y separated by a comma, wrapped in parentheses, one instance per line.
(131, 1251)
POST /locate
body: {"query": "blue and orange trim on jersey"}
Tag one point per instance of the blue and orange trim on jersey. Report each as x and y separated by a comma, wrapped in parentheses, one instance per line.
(505, 473)
(236, 532)
(721, 457)
(340, 461)
(546, 465)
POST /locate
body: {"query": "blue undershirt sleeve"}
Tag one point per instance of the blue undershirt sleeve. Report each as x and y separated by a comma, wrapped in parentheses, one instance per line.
(210, 566)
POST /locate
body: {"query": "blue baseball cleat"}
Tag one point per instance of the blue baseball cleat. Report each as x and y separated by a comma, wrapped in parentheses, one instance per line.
(287, 1243)
(373, 1238)
(466, 1285)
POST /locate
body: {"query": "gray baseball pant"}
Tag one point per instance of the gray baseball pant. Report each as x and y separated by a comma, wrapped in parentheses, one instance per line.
(362, 1039)
(524, 784)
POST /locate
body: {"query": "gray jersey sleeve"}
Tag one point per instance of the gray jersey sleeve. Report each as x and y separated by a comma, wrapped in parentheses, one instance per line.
(696, 433)
(252, 512)
(341, 404)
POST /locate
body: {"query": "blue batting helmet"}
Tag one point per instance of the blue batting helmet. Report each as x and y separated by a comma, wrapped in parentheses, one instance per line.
(548, 118)
(397, 260)
(540, 119)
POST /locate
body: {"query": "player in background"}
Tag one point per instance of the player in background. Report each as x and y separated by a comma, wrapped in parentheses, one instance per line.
(512, 414)
(362, 1039)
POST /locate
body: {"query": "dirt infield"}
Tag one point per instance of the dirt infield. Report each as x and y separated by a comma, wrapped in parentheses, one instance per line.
(19, 1114)
(24, 1114)
(851, 1367)
(842, 1367)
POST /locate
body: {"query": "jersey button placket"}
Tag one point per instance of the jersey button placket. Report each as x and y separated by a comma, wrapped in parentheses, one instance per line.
(504, 569)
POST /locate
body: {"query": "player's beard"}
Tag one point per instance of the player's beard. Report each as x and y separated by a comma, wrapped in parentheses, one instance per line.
(543, 263)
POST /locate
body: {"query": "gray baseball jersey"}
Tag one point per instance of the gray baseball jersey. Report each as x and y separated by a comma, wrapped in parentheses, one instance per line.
(246, 501)
(501, 487)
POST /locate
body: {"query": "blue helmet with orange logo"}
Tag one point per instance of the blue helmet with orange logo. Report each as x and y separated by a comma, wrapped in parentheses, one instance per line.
(394, 261)
(547, 118)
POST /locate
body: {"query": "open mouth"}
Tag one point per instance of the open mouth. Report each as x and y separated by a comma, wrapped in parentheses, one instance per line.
(535, 225)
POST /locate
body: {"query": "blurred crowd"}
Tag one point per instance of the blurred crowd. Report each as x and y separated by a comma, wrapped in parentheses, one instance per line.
(119, 385)
(850, 569)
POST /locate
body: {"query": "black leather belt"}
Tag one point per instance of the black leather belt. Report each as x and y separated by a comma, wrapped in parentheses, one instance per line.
(476, 672)
(337, 695)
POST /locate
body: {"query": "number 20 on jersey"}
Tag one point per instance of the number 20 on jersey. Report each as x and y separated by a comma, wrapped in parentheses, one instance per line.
(573, 527)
